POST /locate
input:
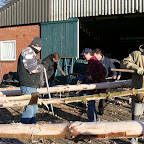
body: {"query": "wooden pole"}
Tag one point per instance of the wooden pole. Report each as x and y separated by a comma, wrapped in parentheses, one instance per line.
(103, 85)
(9, 88)
(76, 130)
(71, 99)
(123, 70)
(18, 98)
(67, 88)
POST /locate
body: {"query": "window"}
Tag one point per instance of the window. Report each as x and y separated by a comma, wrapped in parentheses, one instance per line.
(8, 50)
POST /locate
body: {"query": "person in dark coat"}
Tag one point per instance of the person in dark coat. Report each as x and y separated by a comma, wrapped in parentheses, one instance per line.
(29, 71)
(51, 65)
(106, 62)
(108, 65)
(96, 74)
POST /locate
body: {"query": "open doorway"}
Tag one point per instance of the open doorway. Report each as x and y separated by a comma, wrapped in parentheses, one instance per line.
(116, 36)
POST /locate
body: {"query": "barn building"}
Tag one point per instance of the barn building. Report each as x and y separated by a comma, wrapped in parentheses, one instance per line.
(68, 26)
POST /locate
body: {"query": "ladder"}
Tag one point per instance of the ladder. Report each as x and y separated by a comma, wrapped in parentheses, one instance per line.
(67, 66)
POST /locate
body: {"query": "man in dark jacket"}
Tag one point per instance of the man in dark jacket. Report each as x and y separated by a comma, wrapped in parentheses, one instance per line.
(97, 73)
(108, 65)
(51, 65)
(106, 62)
(29, 71)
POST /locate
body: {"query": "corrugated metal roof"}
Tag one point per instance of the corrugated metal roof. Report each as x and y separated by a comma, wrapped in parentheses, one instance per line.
(19, 12)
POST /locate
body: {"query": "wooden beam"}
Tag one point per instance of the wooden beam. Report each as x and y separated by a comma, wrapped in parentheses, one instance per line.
(103, 85)
(67, 88)
(71, 99)
(76, 130)
(123, 70)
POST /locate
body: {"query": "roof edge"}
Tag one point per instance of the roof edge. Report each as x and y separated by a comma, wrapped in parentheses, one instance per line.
(8, 5)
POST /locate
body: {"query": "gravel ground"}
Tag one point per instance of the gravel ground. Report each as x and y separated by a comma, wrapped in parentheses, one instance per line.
(115, 110)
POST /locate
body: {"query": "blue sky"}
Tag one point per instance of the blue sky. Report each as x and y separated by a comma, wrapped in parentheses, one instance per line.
(1, 2)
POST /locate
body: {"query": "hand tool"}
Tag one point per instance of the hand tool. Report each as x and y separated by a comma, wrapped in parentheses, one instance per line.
(48, 89)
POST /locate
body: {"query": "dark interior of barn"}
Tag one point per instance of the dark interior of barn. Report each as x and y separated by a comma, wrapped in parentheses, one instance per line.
(116, 36)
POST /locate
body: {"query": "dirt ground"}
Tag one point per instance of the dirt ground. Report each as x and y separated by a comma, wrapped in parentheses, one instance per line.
(115, 110)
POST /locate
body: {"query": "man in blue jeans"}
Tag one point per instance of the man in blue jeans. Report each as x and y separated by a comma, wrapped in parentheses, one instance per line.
(30, 76)
(96, 73)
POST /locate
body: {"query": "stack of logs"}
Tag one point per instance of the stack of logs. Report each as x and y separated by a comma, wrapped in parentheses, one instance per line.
(76, 130)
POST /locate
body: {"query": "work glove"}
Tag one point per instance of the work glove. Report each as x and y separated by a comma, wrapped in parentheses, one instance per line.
(140, 71)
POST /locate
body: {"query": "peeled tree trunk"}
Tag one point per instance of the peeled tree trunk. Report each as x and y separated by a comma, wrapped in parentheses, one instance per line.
(68, 88)
(79, 87)
(69, 99)
(76, 130)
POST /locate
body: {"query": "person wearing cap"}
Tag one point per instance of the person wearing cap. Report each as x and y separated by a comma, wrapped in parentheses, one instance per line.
(108, 65)
(135, 61)
(51, 65)
(106, 62)
(29, 70)
(96, 74)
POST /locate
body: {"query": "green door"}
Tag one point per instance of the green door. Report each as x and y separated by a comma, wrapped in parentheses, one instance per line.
(61, 37)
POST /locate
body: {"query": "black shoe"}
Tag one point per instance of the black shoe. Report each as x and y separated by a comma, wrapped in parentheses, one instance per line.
(101, 107)
(81, 104)
(101, 111)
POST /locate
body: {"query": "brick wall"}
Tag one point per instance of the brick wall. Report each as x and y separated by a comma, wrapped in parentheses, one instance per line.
(23, 36)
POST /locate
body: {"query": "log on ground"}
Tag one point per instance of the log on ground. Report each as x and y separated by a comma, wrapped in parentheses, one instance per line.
(76, 130)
